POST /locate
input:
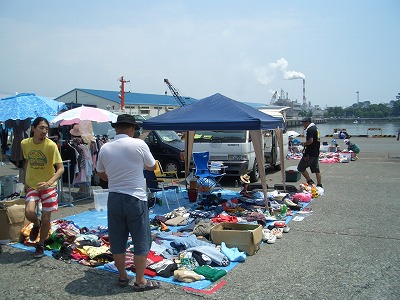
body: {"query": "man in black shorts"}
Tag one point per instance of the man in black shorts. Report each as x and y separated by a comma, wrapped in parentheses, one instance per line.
(311, 152)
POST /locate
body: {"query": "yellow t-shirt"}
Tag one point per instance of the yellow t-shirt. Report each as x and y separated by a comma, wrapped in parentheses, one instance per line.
(41, 160)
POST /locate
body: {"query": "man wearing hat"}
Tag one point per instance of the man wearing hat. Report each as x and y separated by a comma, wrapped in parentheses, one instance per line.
(311, 152)
(121, 163)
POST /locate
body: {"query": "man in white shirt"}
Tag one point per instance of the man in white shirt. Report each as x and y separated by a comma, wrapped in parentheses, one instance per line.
(121, 163)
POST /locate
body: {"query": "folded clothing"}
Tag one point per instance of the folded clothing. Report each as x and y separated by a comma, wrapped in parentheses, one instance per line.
(210, 273)
(187, 275)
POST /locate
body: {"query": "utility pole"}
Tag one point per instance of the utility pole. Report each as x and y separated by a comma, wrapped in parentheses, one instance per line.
(358, 96)
(122, 92)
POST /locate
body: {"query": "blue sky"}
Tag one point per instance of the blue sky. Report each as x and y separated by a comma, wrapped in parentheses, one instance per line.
(241, 49)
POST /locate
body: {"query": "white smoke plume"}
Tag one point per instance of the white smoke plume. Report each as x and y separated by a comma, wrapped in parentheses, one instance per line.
(276, 69)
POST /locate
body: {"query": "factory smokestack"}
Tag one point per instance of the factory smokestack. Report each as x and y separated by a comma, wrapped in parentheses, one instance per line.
(304, 93)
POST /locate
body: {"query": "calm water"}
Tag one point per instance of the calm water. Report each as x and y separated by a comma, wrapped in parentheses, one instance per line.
(388, 127)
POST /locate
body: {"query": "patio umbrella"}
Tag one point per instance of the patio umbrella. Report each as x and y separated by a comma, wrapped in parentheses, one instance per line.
(84, 113)
(24, 106)
(293, 133)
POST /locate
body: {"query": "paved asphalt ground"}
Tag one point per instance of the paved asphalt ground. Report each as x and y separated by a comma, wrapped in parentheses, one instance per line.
(348, 248)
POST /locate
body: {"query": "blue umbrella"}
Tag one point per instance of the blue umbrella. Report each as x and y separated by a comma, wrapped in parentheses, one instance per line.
(23, 106)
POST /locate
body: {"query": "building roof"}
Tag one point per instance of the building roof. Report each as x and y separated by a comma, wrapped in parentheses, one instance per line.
(138, 98)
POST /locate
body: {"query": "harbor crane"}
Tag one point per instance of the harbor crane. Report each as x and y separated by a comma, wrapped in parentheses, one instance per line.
(273, 98)
(175, 93)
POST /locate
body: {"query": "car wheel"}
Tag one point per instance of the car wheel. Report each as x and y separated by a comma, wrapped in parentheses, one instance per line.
(172, 166)
(254, 175)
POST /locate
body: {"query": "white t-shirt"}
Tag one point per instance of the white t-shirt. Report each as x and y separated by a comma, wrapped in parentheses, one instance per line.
(123, 161)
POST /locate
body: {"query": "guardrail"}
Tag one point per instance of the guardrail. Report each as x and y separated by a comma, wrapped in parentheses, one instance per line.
(374, 129)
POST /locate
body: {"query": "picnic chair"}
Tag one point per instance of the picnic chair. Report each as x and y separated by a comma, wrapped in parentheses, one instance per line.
(207, 177)
(155, 184)
(170, 177)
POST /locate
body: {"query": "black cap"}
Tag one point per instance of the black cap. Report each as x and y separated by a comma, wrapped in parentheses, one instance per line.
(306, 119)
(125, 119)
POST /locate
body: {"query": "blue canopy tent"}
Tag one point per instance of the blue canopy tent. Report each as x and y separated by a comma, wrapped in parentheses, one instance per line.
(215, 112)
(218, 112)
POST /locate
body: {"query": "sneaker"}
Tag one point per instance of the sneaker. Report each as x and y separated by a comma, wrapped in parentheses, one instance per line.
(39, 251)
(319, 185)
(34, 233)
(271, 239)
(277, 232)
(266, 234)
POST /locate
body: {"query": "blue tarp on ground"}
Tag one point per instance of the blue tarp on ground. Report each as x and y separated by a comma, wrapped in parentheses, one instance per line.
(93, 219)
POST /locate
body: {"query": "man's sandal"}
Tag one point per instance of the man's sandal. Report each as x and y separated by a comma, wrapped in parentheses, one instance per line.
(150, 285)
(123, 282)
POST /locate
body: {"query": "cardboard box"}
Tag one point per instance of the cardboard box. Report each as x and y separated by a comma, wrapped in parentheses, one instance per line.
(246, 237)
(292, 175)
(12, 219)
(100, 199)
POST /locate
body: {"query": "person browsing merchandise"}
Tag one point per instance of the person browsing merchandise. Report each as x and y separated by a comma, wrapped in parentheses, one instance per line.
(121, 162)
(311, 152)
(41, 155)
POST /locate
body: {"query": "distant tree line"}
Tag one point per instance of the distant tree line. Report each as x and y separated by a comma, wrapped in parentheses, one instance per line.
(365, 110)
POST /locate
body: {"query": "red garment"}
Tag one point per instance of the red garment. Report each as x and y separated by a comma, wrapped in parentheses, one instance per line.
(146, 272)
(224, 218)
(152, 258)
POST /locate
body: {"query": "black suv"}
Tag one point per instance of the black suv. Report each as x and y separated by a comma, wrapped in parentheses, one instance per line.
(168, 148)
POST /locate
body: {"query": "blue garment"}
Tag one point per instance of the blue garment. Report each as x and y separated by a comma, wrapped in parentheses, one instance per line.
(216, 256)
(183, 241)
(233, 254)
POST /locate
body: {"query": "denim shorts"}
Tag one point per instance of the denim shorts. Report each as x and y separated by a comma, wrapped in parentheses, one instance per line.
(128, 215)
(312, 163)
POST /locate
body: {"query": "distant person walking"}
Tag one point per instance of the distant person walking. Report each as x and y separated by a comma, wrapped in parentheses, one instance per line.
(41, 155)
(310, 153)
(121, 162)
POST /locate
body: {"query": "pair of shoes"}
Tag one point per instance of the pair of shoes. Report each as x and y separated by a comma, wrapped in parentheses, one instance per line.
(266, 234)
(268, 237)
(123, 282)
(150, 285)
(39, 252)
(278, 232)
(34, 233)
(319, 185)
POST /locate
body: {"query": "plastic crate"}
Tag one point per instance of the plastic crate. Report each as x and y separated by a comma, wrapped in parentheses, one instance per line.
(100, 199)
(292, 175)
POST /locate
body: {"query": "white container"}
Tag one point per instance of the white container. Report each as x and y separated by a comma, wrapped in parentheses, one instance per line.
(100, 199)
(345, 157)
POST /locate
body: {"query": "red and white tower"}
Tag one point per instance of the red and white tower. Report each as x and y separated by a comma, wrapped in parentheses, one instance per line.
(122, 92)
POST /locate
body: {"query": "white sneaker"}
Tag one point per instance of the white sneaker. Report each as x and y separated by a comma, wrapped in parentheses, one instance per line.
(278, 232)
(266, 234)
(272, 239)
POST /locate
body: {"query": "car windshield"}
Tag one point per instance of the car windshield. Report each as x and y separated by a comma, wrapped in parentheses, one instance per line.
(238, 136)
(168, 135)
